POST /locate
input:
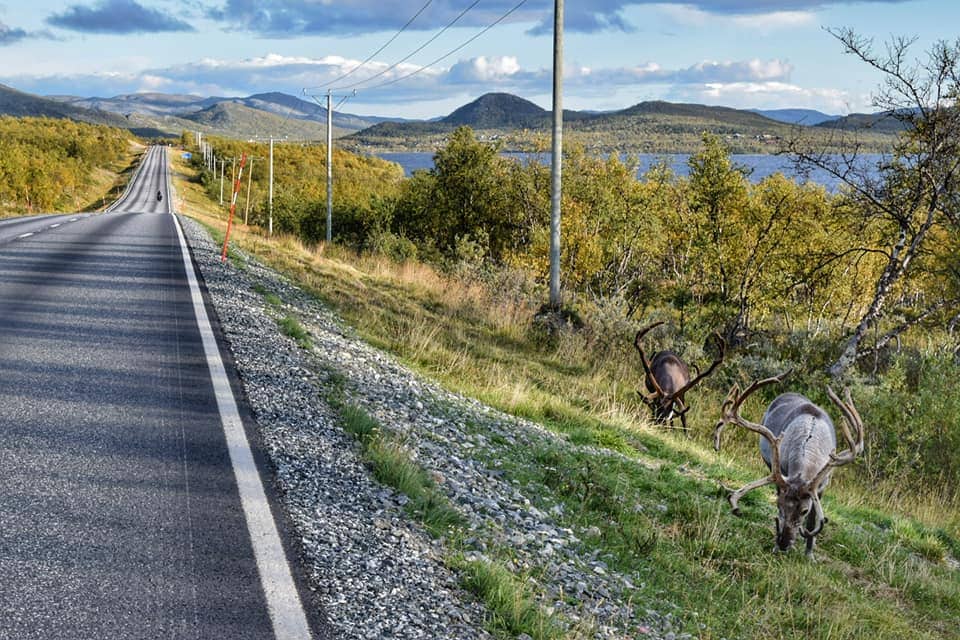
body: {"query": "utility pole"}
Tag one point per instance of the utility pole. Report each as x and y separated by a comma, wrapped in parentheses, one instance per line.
(270, 208)
(233, 170)
(329, 167)
(555, 173)
(246, 212)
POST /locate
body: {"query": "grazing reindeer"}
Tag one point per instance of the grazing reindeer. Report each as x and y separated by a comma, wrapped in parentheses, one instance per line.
(798, 442)
(668, 378)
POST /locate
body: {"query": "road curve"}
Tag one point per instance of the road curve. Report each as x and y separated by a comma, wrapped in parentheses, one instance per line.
(120, 515)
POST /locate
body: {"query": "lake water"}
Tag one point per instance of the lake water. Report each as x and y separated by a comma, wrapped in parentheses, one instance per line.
(760, 165)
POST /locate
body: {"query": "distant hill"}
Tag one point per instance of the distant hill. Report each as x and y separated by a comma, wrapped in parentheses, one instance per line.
(657, 110)
(649, 127)
(492, 111)
(807, 117)
(498, 110)
(884, 122)
(20, 104)
(287, 105)
(240, 121)
(157, 104)
(164, 105)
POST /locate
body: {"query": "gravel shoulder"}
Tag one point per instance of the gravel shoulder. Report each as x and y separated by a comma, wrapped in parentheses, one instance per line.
(377, 572)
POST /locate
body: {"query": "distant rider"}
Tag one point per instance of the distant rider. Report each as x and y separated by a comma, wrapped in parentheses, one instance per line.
(159, 196)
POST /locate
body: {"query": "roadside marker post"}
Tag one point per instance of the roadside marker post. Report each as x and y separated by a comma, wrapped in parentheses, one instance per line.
(233, 207)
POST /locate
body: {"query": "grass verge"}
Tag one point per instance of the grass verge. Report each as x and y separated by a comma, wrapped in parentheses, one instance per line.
(512, 609)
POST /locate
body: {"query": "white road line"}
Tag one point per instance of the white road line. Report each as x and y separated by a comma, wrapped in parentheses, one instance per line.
(54, 226)
(25, 235)
(283, 601)
(73, 219)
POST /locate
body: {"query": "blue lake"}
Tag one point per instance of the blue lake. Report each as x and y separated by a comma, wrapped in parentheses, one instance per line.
(760, 165)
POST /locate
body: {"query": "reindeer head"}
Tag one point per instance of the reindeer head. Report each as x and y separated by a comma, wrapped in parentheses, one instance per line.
(799, 511)
(794, 501)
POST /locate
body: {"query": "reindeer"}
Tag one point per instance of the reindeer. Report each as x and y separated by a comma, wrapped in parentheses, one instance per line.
(798, 442)
(667, 378)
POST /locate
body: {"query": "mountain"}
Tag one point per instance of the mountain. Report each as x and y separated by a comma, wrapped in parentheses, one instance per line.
(20, 104)
(287, 105)
(498, 110)
(884, 122)
(659, 110)
(281, 104)
(809, 117)
(647, 127)
(155, 104)
(237, 120)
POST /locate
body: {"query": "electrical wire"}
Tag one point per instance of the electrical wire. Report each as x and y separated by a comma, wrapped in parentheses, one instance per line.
(415, 51)
(451, 52)
(378, 51)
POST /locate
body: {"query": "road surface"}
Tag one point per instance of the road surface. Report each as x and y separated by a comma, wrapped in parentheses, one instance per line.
(120, 512)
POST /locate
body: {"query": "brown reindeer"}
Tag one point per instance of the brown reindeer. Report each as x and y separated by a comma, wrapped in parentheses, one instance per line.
(798, 442)
(667, 378)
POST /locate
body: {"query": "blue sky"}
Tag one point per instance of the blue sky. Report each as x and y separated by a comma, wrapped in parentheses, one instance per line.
(739, 53)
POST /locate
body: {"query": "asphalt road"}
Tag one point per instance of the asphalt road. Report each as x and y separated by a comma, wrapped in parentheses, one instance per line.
(120, 515)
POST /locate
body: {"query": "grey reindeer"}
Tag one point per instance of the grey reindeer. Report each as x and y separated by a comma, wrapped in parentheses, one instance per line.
(667, 379)
(799, 444)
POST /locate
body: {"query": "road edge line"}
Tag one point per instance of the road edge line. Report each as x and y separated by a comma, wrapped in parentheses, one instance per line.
(283, 600)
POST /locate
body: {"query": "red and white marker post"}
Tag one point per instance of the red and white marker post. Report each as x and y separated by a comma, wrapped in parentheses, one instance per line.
(233, 207)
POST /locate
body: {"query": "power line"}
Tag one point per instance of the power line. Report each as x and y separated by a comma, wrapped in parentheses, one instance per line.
(378, 51)
(452, 51)
(415, 51)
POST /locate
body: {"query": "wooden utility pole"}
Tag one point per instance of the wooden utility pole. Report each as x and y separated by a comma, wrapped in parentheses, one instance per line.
(270, 215)
(329, 167)
(555, 173)
(246, 212)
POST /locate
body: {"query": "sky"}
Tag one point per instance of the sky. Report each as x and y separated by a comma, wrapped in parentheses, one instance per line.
(425, 58)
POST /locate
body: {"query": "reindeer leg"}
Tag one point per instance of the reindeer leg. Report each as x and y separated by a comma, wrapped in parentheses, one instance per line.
(812, 525)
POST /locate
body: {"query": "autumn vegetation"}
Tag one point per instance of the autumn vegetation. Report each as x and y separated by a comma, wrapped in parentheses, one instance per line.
(49, 165)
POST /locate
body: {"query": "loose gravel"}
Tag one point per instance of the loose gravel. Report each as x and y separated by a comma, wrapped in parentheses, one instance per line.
(377, 572)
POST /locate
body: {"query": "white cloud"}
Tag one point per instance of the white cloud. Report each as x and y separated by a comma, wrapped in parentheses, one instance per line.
(772, 95)
(484, 69)
(691, 16)
(775, 21)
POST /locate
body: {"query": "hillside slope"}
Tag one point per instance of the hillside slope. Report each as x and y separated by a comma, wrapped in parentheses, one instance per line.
(159, 108)
(20, 104)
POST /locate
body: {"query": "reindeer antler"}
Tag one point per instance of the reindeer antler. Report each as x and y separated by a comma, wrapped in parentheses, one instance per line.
(721, 351)
(730, 413)
(851, 420)
(647, 367)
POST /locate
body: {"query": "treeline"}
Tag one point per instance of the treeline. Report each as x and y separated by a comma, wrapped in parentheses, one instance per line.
(48, 164)
(714, 248)
(365, 188)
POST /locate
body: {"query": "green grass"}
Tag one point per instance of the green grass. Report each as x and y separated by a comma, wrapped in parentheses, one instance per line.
(508, 600)
(655, 510)
(291, 327)
(511, 607)
(269, 297)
